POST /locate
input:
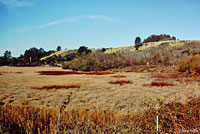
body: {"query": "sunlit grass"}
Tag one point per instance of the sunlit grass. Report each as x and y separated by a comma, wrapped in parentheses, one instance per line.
(173, 116)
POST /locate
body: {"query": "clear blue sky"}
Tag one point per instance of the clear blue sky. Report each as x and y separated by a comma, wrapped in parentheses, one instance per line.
(93, 23)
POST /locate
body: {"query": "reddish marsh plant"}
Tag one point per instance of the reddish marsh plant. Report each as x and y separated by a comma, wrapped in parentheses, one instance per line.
(57, 87)
(159, 84)
(120, 82)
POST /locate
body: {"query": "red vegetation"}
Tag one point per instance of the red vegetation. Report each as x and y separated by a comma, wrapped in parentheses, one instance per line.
(120, 82)
(171, 75)
(56, 87)
(178, 76)
(118, 76)
(160, 84)
(72, 72)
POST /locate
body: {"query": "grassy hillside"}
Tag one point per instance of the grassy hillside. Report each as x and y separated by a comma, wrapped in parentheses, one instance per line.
(59, 53)
(131, 48)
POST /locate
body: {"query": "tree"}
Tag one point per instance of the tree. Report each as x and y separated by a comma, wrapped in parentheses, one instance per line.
(58, 48)
(83, 50)
(34, 54)
(7, 54)
(161, 37)
(173, 38)
(137, 41)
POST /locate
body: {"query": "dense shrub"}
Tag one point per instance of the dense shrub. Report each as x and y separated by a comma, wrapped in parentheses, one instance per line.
(96, 62)
(190, 64)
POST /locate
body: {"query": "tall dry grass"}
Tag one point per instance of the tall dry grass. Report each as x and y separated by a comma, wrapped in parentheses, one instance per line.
(190, 64)
(173, 118)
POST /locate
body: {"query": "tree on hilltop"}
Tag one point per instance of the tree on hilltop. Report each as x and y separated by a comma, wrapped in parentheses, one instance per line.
(59, 48)
(83, 51)
(137, 41)
(161, 37)
(7, 54)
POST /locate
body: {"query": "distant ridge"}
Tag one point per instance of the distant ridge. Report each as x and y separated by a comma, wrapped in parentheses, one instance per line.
(131, 48)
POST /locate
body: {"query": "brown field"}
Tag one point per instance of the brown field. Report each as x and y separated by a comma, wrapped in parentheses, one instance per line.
(24, 86)
(126, 92)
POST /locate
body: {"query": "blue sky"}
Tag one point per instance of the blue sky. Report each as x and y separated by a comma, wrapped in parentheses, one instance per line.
(93, 23)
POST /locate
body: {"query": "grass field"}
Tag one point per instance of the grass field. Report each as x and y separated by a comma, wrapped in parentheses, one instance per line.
(111, 101)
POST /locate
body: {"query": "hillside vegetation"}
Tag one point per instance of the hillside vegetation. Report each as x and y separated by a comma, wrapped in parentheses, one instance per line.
(163, 52)
(152, 53)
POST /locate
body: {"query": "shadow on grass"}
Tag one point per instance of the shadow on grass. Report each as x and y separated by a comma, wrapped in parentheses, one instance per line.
(72, 72)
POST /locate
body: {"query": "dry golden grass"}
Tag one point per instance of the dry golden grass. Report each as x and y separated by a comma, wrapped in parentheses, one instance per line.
(34, 120)
(95, 94)
(150, 45)
(173, 117)
(94, 91)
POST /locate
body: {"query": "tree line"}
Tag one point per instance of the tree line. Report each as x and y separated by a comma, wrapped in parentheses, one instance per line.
(33, 55)
(154, 38)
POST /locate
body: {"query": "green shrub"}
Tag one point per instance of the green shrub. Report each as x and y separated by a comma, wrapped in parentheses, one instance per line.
(190, 64)
(97, 62)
